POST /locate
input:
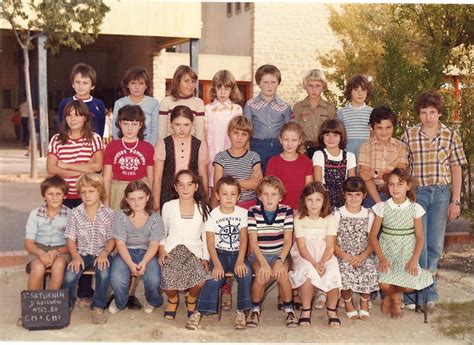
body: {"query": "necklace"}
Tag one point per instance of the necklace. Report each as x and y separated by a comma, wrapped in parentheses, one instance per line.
(132, 148)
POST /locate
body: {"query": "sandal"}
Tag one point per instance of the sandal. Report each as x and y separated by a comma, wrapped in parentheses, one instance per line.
(171, 314)
(190, 304)
(305, 321)
(333, 322)
(353, 315)
(364, 314)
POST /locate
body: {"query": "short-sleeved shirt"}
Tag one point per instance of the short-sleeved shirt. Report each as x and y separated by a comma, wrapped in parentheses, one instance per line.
(270, 232)
(74, 151)
(227, 227)
(310, 119)
(138, 238)
(307, 227)
(96, 108)
(182, 152)
(318, 160)
(267, 117)
(379, 207)
(90, 236)
(429, 161)
(363, 213)
(46, 231)
(292, 174)
(240, 168)
(356, 121)
(129, 161)
(381, 157)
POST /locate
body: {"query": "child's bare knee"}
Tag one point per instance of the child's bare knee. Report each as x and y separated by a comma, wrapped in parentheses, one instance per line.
(37, 268)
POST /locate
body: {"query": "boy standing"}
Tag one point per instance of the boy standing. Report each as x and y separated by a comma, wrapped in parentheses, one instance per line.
(270, 227)
(227, 238)
(380, 154)
(90, 242)
(435, 157)
(268, 113)
(83, 80)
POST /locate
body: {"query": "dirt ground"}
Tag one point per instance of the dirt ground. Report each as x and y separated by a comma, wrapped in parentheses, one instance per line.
(136, 326)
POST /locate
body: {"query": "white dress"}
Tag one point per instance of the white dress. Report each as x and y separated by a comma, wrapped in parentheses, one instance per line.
(314, 233)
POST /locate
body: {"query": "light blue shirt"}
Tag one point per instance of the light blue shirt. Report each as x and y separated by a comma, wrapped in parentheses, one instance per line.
(267, 117)
(49, 232)
(151, 108)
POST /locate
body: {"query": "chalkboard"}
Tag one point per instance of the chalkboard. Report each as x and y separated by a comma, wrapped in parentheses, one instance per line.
(44, 309)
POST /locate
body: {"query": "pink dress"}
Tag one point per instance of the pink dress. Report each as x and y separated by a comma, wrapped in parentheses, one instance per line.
(216, 120)
(314, 233)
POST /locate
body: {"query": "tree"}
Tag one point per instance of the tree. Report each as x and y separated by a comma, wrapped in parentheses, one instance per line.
(70, 23)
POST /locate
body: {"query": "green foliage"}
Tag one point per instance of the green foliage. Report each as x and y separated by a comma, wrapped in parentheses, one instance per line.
(70, 23)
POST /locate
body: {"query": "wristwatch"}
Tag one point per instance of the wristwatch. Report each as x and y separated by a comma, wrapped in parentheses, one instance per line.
(457, 202)
(280, 258)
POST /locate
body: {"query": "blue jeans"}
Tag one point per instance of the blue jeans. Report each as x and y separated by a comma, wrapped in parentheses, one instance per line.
(208, 298)
(120, 279)
(266, 148)
(102, 279)
(435, 200)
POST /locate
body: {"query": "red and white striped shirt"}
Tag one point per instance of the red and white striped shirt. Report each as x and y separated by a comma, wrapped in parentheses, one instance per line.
(75, 151)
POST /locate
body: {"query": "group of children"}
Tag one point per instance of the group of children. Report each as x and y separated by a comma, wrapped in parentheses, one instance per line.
(197, 191)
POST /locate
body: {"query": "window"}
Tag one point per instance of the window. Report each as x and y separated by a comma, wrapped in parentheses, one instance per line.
(238, 7)
(247, 6)
(229, 9)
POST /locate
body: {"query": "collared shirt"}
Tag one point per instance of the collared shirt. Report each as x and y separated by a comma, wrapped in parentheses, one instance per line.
(90, 236)
(382, 157)
(430, 161)
(310, 119)
(267, 117)
(45, 230)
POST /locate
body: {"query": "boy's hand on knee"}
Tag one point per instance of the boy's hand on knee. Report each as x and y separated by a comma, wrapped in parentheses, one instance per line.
(265, 272)
(76, 264)
(279, 270)
(240, 269)
(218, 272)
(102, 260)
(141, 268)
(45, 260)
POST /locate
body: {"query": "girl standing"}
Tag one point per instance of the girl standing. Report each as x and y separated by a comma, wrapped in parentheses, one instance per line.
(176, 152)
(136, 85)
(293, 168)
(75, 150)
(400, 243)
(314, 264)
(129, 158)
(332, 164)
(356, 259)
(183, 255)
(183, 87)
(137, 231)
(224, 95)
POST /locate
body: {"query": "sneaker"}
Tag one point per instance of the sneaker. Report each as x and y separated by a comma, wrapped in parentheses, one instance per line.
(193, 321)
(148, 308)
(253, 318)
(239, 322)
(98, 316)
(291, 320)
(113, 307)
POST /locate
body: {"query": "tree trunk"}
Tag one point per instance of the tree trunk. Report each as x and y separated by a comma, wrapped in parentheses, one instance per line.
(31, 119)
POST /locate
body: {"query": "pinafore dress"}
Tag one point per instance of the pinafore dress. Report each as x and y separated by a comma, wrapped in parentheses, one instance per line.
(334, 175)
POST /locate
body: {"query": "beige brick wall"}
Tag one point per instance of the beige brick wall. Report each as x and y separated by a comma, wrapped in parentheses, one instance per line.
(290, 37)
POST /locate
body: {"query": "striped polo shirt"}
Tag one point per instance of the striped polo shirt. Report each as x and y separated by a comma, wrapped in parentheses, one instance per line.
(270, 232)
(356, 121)
(239, 168)
(75, 151)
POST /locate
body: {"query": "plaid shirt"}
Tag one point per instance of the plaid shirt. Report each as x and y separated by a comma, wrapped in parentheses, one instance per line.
(381, 158)
(429, 162)
(90, 237)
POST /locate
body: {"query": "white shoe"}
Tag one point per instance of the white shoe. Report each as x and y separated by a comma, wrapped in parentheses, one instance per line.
(148, 308)
(113, 307)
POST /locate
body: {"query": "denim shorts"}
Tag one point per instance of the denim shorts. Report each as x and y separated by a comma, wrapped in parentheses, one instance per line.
(269, 257)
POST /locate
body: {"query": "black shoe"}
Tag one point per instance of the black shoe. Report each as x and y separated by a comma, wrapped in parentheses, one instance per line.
(133, 303)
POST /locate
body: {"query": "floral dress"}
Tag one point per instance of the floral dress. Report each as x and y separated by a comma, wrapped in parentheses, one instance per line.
(334, 175)
(353, 238)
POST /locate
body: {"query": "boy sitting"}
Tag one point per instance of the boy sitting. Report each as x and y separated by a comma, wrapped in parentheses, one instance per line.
(90, 242)
(44, 238)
